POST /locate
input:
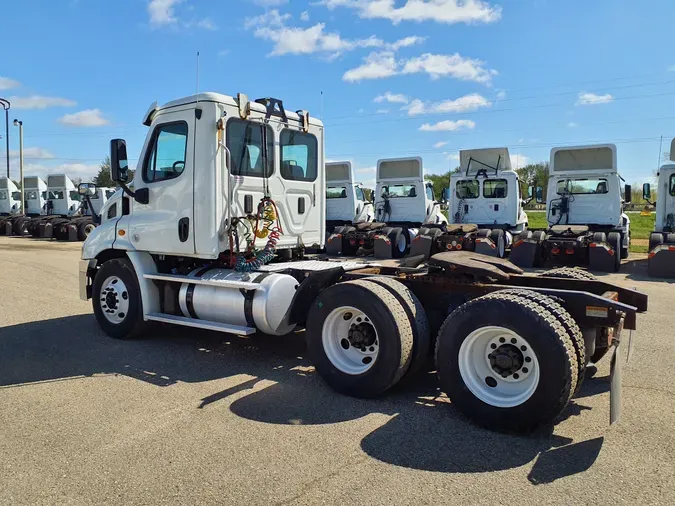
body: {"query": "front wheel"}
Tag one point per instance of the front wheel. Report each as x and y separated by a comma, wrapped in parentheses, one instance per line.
(117, 300)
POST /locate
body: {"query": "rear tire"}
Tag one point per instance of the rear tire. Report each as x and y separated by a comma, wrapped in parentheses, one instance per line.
(351, 372)
(84, 229)
(655, 239)
(499, 238)
(508, 403)
(399, 242)
(670, 239)
(119, 315)
(614, 240)
(570, 273)
(417, 317)
(599, 237)
(539, 235)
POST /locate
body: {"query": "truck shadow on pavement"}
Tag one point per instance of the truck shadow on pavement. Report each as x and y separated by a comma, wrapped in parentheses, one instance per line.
(424, 432)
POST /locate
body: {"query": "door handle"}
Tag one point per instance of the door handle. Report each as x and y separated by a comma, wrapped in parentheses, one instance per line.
(183, 229)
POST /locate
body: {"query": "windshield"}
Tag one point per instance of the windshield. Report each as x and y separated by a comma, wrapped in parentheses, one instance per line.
(336, 192)
(399, 190)
(582, 186)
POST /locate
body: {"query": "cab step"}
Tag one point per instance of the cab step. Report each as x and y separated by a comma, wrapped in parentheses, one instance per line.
(200, 324)
(177, 278)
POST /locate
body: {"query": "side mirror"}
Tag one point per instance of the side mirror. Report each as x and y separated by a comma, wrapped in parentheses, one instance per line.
(119, 165)
(86, 189)
(627, 193)
(445, 194)
(646, 191)
(539, 195)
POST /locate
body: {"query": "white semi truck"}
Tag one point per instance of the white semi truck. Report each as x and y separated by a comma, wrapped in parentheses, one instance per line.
(485, 207)
(35, 195)
(404, 205)
(10, 203)
(661, 257)
(226, 195)
(585, 211)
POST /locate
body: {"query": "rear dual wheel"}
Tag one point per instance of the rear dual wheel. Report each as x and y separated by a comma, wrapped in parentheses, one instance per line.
(507, 362)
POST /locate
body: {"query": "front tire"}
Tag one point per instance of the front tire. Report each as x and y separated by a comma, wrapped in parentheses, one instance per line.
(116, 299)
(506, 362)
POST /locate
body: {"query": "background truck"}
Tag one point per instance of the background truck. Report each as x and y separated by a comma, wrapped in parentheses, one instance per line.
(10, 203)
(86, 217)
(346, 203)
(180, 248)
(587, 225)
(35, 195)
(61, 202)
(485, 210)
(404, 204)
(661, 257)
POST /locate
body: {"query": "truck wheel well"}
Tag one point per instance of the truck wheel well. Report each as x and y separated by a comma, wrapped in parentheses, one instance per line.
(109, 254)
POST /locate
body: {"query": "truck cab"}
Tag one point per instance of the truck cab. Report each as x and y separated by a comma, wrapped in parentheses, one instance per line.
(402, 197)
(60, 193)
(10, 198)
(208, 164)
(36, 193)
(345, 200)
(661, 258)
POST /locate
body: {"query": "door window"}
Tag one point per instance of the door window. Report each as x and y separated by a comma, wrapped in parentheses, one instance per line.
(299, 156)
(671, 185)
(495, 188)
(74, 195)
(430, 192)
(359, 193)
(244, 140)
(166, 158)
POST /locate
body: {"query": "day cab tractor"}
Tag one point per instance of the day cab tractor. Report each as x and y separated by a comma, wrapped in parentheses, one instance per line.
(346, 203)
(661, 257)
(226, 195)
(87, 215)
(404, 206)
(486, 207)
(59, 205)
(585, 212)
(10, 204)
(35, 195)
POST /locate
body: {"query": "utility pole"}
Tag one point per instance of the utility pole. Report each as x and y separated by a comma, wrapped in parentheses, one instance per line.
(5, 105)
(23, 186)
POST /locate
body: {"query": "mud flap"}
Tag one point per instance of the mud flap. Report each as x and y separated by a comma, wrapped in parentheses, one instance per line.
(661, 262)
(486, 246)
(71, 232)
(383, 247)
(46, 230)
(615, 377)
(334, 244)
(421, 245)
(8, 228)
(601, 257)
(525, 253)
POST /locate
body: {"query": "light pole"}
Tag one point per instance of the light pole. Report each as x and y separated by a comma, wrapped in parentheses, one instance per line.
(5, 106)
(23, 199)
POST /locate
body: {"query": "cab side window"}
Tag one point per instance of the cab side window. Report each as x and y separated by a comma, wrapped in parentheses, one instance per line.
(166, 158)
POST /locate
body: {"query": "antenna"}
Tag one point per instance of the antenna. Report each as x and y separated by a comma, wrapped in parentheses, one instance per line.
(658, 160)
(321, 105)
(197, 72)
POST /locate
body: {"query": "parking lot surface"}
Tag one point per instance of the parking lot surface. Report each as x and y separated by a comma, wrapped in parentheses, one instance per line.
(183, 416)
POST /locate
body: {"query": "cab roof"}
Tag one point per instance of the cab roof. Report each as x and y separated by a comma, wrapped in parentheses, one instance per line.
(219, 98)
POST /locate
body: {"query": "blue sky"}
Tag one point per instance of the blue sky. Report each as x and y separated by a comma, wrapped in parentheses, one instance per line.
(388, 77)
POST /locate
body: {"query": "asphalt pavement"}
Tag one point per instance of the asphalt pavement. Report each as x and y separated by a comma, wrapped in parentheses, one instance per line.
(184, 416)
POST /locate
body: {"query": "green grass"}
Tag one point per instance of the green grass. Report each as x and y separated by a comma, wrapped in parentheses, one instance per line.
(640, 228)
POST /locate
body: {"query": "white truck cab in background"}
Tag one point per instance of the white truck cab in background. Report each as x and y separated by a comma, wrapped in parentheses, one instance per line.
(36, 195)
(346, 203)
(661, 257)
(10, 198)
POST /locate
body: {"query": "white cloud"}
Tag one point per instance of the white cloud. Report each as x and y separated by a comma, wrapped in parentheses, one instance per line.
(435, 65)
(382, 111)
(314, 39)
(375, 66)
(205, 24)
(368, 170)
(392, 98)
(453, 156)
(448, 126)
(34, 153)
(161, 12)
(304, 16)
(442, 11)
(440, 144)
(519, 160)
(39, 102)
(6, 83)
(572, 124)
(591, 98)
(86, 118)
(471, 102)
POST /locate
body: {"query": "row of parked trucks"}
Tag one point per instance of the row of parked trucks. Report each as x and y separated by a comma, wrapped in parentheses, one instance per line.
(54, 209)
(229, 197)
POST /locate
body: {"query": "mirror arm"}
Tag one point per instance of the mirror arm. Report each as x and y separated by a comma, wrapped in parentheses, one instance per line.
(126, 189)
(96, 217)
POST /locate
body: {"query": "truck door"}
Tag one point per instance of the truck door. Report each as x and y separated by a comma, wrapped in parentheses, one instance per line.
(166, 168)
